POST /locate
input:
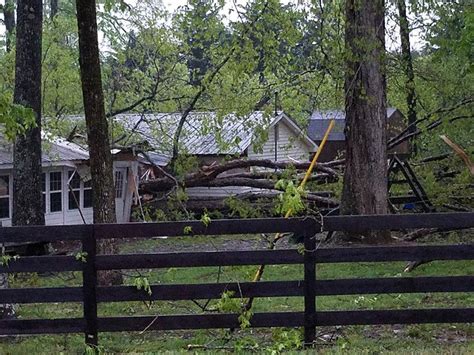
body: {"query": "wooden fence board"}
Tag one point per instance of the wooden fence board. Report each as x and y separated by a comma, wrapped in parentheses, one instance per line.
(41, 295)
(395, 253)
(289, 256)
(43, 264)
(23, 234)
(295, 288)
(41, 326)
(223, 258)
(455, 220)
(216, 227)
(412, 316)
(204, 321)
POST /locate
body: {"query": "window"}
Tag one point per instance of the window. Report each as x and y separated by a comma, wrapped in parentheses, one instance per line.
(118, 183)
(55, 191)
(4, 196)
(79, 191)
(43, 188)
(74, 195)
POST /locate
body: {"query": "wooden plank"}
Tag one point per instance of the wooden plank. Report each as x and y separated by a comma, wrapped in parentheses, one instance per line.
(41, 295)
(394, 253)
(43, 264)
(216, 227)
(224, 258)
(89, 286)
(289, 256)
(41, 326)
(457, 220)
(309, 289)
(412, 316)
(23, 234)
(395, 285)
(245, 289)
(200, 291)
(205, 321)
(287, 319)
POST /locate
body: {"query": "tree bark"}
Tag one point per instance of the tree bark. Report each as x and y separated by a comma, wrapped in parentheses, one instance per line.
(53, 8)
(9, 19)
(407, 63)
(27, 195)
(365, 176)
(103, 197)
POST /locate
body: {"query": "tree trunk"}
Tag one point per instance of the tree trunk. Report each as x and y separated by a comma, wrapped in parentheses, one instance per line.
(27, 195)
(103, 196)
(365, 176)
(9, 19)
(407, 63)
(54, 8)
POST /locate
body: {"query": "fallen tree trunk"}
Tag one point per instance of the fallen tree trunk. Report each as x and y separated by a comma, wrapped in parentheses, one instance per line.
(209, 176)
(263, 201)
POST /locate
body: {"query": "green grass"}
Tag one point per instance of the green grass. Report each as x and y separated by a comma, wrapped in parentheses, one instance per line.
(416, 339)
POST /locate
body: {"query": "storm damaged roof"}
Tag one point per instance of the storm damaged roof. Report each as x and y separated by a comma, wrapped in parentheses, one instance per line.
(319, 122)
(204, 133)
(55, 151)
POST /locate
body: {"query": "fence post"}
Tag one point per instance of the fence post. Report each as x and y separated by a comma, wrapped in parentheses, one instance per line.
(89, 285)
(309, 289)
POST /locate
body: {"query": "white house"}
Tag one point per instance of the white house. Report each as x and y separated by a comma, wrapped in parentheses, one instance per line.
(67, 192)
(213, 138)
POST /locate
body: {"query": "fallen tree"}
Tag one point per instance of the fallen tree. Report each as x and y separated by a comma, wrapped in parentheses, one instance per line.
(214, 175)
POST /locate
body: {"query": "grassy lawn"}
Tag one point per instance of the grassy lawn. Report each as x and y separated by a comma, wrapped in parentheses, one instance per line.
(415, 339)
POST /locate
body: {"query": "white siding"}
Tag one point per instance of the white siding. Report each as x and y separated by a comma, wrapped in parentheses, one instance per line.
(289, 146)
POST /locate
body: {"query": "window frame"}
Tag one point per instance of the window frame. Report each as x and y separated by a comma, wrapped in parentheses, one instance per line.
(81, 189)
(9, 195)
(49, 191)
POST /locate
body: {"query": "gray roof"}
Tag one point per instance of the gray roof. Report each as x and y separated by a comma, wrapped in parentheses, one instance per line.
(204, 133)
(56, 151)
(319, 122)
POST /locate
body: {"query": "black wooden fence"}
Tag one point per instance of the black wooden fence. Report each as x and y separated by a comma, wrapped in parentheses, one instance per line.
(90, 294)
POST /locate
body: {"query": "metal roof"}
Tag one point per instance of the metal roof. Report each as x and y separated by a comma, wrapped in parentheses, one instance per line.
(319, 122)
(204, 133)
(54, 151)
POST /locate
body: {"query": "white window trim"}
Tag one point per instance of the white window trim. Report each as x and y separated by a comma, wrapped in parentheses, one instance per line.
(47, 191)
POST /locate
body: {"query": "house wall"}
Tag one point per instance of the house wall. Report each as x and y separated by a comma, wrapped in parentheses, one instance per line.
(68, 216)
(288, 146)
(331, 150)
(395, 126)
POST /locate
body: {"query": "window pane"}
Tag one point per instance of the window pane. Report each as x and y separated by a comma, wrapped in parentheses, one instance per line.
(88, 183)
(75, 182)
(73, 205)
(87, 198)
(55, 181)
(4, 185)
(55, 203)
(44, 201)
(43, 182)
(4, 207)
(118, 184)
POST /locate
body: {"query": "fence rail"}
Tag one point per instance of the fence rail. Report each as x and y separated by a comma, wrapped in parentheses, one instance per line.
(90, 294)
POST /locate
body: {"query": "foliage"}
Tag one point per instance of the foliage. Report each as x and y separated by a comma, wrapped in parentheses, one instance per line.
(230, 304)
(6, 259)
(81, 256)
(290, 201)
(16, 119)
(142, 283)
